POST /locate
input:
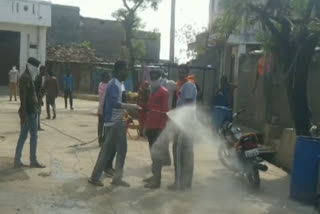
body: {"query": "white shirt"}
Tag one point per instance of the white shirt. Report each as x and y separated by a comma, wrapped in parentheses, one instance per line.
(172, 87)
(13, 76)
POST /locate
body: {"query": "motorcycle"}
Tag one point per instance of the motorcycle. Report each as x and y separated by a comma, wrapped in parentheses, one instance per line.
(239, 151)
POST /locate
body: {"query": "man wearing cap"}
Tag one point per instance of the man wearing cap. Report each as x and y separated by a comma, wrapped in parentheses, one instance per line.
(13, 80)
(28, 113)
(155, 123)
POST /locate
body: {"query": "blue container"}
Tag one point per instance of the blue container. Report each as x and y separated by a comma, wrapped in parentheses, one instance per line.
(304, 178)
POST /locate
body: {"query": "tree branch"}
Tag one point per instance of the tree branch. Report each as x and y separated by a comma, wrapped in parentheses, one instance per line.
(266, 21)
(126, 5)
(308, 13)
(318, 9)
(136, 7)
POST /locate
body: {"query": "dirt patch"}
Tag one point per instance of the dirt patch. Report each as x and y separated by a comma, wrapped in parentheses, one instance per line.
(8, 173)
(2, 138)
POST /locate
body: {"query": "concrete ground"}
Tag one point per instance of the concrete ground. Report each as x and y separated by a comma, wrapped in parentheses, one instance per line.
(63, 188)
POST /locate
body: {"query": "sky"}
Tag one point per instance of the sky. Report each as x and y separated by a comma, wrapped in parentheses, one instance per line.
(195, 12)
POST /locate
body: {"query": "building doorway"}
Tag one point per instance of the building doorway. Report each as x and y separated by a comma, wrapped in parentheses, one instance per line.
(9, 53)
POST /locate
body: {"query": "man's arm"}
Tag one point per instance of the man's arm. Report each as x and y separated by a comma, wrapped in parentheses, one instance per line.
(23, 87)
(113, 96)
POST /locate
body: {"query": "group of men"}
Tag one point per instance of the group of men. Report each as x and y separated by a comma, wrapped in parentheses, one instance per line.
(34, 84)
(112, 130)
(113, 141)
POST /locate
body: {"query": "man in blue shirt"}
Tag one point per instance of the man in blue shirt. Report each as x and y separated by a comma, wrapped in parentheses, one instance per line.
(183, 145)
(222, 104)
(114, 111)
(68, 88)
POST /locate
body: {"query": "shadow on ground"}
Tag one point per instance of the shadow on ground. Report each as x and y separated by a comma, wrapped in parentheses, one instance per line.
(8, 173)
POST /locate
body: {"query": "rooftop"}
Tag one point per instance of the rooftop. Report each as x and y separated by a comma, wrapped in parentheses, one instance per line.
(74, 53)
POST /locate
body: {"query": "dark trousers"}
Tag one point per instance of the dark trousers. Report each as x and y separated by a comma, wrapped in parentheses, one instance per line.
(100, 129)
(51, 101)
(183, 160)
(115, 142)
(152, 135)
(68, 94)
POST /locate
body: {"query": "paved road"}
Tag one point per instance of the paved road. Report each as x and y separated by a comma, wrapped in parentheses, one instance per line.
(62, 187)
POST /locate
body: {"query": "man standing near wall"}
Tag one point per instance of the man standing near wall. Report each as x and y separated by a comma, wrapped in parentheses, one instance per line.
(183, 146)
(13, 81)
(68, 84)
(115, 128)
(39, 86)
(28, 113)
(52, 90)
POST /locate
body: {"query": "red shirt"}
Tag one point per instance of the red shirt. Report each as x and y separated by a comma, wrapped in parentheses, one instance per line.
(158, 107)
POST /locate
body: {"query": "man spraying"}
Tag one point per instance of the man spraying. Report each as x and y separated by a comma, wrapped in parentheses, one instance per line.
(155, 123)
(115, 128)
(183, 146)
(28, 113)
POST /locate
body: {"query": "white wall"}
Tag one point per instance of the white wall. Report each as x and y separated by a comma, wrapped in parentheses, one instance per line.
(31, 18)
(30, 36)
(26, 12)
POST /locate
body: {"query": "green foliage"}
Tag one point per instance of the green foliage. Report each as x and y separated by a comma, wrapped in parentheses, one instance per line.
(84, 44)
(280, 24)
(186, 35)
(139, 48)
(128, 16)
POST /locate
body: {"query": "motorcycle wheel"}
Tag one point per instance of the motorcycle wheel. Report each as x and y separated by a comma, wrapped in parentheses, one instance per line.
(253, 177)
(225, 157)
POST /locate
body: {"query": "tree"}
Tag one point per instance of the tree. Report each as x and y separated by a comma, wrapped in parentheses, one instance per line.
(187, 35)
(128, 16)
(291, 31)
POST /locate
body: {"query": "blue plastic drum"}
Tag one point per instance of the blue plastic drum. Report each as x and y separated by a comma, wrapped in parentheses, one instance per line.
(305, 172)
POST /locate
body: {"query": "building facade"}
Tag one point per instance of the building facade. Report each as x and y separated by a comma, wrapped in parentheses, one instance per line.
(105, 36)
(23, 28)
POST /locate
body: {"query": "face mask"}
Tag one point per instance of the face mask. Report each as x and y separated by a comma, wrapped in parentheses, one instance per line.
(163, 81)
(155, 84)
(33, 71)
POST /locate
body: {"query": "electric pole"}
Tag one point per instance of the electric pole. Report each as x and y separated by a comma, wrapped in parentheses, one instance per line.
(173, 29)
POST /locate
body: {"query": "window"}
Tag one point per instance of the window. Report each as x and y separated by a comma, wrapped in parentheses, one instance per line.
(26, 8)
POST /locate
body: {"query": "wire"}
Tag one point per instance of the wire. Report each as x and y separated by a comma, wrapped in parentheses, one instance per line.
(82, 143)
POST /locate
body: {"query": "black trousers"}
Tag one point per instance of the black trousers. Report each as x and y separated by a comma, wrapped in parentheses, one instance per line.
(68, 94)
(51, 101)
(152, 135)
(183, 156)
